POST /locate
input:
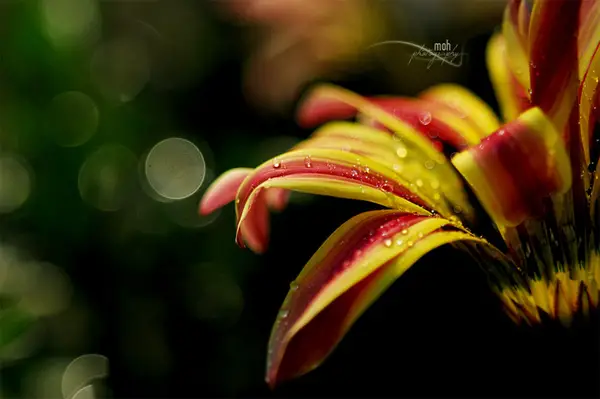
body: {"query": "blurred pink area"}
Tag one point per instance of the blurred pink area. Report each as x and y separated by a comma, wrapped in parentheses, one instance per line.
(301, 40)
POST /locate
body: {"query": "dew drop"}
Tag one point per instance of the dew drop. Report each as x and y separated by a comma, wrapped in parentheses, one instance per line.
(398, 168)
(276, 163)
(429, 164)
(420, 235)
(410, 244)
(425, 118)
(308, 162)
(387, 187)
(401, 152)
(530, 92)
(419, 183)
(388, 242)
(283, 313)
(405, 231)
(293, 286)
(399, 242)
(457, 209)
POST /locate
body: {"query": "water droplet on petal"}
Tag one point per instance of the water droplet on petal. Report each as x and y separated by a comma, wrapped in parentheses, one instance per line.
(398, 168)
(354, 173)
(410, 244)
(276, 163)
(387, 187)
(405, 231)
(308, 162)
(388, 242)
(420, 235)
(293, 286)
(399, 242)
(401, 152)
(425, 118)
(429, 164)
(457, 209)
(283, 313)
(419, 183)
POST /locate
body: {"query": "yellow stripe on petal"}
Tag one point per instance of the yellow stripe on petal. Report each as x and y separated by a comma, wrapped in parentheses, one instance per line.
(341, 189)
(502, 78)
(588, 97)
(517, 53)
(367, 265)
(346, 275)
(589, 34)
(467, 104)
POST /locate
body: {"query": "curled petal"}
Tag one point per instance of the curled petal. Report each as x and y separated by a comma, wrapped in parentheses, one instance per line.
(344, 277)
(223, 190)
(277, 199)
(414, 186)
(514, 169)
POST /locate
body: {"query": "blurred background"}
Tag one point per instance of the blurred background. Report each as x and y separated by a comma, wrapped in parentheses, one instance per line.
(114, 118)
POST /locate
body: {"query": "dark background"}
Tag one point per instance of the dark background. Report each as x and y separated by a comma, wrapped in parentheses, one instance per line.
(183, 312)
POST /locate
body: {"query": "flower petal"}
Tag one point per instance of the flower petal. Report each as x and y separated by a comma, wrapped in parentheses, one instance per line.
(589, 101)
(516, 42)
(589, 34)
(223, 190)
(467, 105)
(345, 276)
(514, 169)
(513, 98)
(343, 174)
(553, 69)
(441, 121)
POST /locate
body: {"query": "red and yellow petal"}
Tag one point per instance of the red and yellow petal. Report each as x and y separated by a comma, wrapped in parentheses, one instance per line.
(223, 190)
(516, 41)
(514, 169)
(553, 67)
(343, 174)
(588, 36)
(344, 277)
(589, 102)
(448, 116)
(512, 96)
(465, 105)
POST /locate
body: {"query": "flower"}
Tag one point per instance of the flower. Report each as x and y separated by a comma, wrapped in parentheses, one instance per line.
(446, 167)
